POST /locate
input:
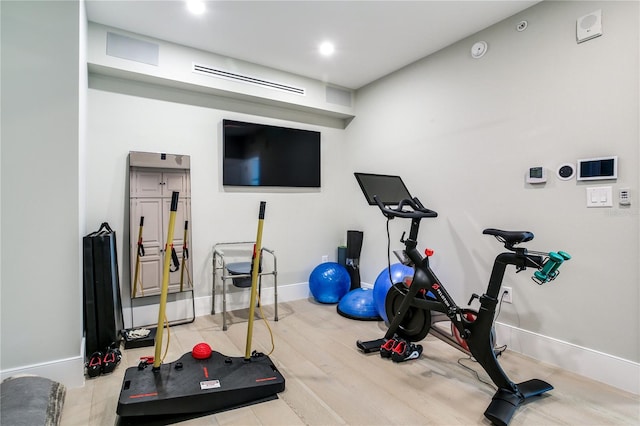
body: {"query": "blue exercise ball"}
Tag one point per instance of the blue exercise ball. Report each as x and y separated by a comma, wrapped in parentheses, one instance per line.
(358, 304)
(382, 285)
(329, 282)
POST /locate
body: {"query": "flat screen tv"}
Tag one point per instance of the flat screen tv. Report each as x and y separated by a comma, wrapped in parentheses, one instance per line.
(389, 189)
(263, 155)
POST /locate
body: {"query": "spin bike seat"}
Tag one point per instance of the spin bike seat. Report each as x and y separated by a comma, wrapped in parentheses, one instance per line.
(510, 237)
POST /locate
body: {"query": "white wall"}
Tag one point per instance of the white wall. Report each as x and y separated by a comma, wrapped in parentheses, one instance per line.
(41, 314)
(174, 69)
(300, 225)
(135, 106)
(462, 132)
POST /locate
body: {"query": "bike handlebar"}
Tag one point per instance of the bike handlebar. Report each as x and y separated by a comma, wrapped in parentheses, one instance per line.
(418, 211)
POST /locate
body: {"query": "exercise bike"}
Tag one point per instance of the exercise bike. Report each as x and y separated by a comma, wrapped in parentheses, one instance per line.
(414, 308)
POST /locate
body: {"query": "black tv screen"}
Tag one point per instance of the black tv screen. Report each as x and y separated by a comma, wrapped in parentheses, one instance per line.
(263, 155)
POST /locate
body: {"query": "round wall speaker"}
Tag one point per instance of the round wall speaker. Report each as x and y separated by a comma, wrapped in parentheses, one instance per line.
(566, 171)
(588, 21)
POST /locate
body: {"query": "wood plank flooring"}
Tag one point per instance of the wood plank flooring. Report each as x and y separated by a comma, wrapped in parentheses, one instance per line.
(329, 382)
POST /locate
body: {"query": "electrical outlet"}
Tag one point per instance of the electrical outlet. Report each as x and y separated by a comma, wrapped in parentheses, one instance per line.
(325, 258)
(507, 295)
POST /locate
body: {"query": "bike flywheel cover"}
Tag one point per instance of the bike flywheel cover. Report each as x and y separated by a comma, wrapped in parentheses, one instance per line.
(416, 323)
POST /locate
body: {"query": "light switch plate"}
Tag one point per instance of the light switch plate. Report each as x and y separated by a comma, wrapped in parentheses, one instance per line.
(600, 196)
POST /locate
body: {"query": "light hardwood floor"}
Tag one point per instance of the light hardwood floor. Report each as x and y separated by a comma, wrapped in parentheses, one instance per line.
(329, 382)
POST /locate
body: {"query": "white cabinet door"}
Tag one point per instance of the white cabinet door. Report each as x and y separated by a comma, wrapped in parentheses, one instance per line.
(150, 269)
(154, 183)
(146, 184)
(151, 192)
(175, 181)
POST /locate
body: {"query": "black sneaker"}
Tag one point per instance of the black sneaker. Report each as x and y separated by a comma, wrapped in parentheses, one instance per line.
(94, 367)
(111, 361)
(406, 351)
(387, 347)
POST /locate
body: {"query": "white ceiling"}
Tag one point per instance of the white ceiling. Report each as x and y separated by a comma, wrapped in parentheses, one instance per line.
(372, 38)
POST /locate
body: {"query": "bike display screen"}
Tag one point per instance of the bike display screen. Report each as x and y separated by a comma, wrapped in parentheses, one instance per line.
(389, 189)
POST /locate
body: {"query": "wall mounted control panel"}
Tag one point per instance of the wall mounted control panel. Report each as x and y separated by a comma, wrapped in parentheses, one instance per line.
(624, 197)
(600, 168)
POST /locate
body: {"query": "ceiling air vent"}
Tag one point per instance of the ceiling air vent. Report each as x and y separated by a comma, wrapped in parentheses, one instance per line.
(214, 72)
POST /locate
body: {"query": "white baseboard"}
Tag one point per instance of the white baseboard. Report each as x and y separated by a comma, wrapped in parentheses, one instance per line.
(68, 371)
(605, 368)
(240, 299)
(236, 299)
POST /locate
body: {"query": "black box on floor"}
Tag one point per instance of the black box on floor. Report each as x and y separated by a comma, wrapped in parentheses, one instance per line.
(142, 342)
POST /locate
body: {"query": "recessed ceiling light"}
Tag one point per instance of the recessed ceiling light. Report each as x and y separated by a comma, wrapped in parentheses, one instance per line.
(326, 48)
(197, 7)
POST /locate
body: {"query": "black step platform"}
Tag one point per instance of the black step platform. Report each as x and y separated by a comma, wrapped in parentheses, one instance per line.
(189, 385)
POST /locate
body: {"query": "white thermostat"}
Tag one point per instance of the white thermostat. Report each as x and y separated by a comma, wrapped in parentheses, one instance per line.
(537, 174)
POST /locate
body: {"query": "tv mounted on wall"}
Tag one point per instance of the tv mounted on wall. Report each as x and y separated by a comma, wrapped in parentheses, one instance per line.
(263, 155)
